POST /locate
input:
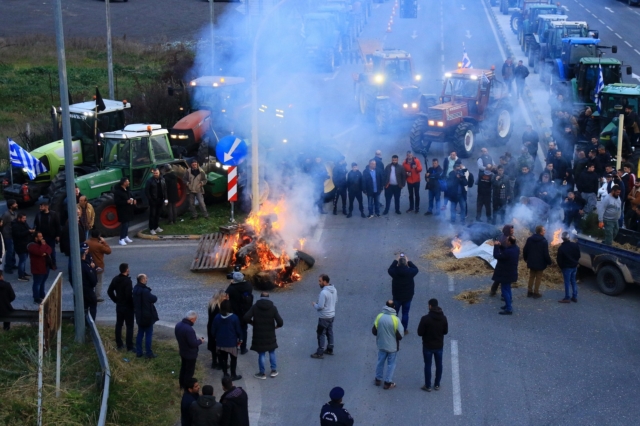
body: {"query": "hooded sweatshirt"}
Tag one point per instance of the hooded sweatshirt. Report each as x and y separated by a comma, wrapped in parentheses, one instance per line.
(327, 299)
(609, 208)
(432, 328)
(385, 327)
(205, 411)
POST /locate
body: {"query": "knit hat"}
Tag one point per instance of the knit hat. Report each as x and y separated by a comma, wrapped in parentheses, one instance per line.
(336, 393)
(354, 164)
(458, 161)
(238, 277)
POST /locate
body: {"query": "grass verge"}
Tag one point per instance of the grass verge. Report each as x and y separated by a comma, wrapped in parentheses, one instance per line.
(219, 214)
(143, 392)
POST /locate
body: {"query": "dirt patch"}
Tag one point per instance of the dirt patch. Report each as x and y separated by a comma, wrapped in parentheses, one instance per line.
(471, 297)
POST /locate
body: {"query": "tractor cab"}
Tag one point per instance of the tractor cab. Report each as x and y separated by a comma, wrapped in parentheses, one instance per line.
(393, 66)
(573, 50)
(542, 25)
(587, 76)
(222, 96)
(560, 30)
(470, 87)
(618, 95)
(530, 19)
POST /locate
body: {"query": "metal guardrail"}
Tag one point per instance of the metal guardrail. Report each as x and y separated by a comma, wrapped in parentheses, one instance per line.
(104, 364)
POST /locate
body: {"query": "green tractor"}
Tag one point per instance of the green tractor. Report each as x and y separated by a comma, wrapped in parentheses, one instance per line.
(613, 98)
(86, 124)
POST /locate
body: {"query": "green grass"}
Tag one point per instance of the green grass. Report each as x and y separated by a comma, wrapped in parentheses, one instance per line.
(143, 392)
(219, 214)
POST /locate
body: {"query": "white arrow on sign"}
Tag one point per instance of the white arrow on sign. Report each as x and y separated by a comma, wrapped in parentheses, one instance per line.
(229, 155)
(609, 10)
(415, 34)
(468, 35)
(636, 76)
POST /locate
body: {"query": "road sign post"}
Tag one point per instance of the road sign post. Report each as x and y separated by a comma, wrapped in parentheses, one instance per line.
(232, 188)
(232, 151)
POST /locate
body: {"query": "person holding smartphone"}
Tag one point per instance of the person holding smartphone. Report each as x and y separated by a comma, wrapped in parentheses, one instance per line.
(402, 272)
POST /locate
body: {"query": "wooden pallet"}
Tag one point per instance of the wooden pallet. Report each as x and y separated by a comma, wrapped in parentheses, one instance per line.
(215, 251)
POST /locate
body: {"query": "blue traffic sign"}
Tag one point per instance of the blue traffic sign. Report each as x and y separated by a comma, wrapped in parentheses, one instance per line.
(231, 150)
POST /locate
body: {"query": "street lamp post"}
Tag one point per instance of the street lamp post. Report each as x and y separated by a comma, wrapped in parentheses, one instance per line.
(109, 51)
(213, 42)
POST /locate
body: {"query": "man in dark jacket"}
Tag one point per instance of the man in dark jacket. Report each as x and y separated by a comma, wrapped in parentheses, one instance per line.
(190, 396)
(146, 315)
(22, 235)
(536, 254)
(520, 73)
(402, 272)
(48, 223)
(7, 219)
(506, 271)
(339, 177)
(525, 184)
(395, 177)
(354, 186)
(485, 192)
(507, 231)
(530, 140)
(156, 192)
(7, 296)
(433, 176)
(372, 183)
(188, 346)
(241, 298)
(567, 259)
(333, 412)
(205, 411)
(573, 209)
(120, 292)
(235, 404)
(588, 184)
(173, 195)
(501, 194)
(456, 192)
(265, 319)
(125, 207)
(432, 328)
(89, 281)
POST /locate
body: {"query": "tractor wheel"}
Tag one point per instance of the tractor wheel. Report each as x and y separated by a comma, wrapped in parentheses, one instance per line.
(383, 116)
(183, 204)
(107, 221)
(58, 203)
(419, 143)
(502, 123)
(464, 140)
(366, 103)
(610, 280)
(58, 181)
(516, 20)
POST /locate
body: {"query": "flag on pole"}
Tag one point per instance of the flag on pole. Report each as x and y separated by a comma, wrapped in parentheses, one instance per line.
(599, 87)
(99, 102)
(22, 159)
(466, 62)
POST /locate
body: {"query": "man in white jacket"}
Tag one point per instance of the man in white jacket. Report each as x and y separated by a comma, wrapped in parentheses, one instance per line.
(326, 307)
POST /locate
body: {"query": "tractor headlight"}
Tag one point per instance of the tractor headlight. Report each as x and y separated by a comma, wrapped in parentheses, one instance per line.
(432, 122)
(440, 123)
(218, 164)
(418, 77)
(447, 75)
(193, 83)
(405, 105)
(379, 78)
(173, 136)
(225, 167)
(474, 77)
(414, 105)
(183, 137)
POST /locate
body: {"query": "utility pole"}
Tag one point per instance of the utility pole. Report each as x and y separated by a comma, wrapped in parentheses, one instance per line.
(70, 184)
(213, 41)
(109, 51)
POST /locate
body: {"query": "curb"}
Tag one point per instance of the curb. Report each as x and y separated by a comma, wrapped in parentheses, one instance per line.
(166, 237)
(532, 108)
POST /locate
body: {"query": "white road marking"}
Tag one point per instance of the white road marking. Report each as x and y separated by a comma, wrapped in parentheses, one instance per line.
(619, 36)
(455, 378)
(636, 50)
(160, 245)
(432, 279)
(601, 21)
(587, 10)
(442, 46)
(442, 58)
(581, 5)
(609, 28)
(451, 283)
(594, 15)
(628, 44)
(609, 10)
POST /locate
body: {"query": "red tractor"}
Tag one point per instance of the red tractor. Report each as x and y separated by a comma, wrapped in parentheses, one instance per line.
(472, 101)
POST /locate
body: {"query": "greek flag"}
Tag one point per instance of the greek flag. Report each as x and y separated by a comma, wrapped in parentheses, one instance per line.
(21, 158)
(466, 62)
(599, 87)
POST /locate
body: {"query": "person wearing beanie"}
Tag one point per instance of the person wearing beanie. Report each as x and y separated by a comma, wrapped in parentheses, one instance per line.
(265, 319)
(567, 259)
(205, 411)
(241, 298)
(432, 328)
(333, 412)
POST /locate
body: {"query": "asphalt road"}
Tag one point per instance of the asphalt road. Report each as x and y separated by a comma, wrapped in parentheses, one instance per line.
(547, 364)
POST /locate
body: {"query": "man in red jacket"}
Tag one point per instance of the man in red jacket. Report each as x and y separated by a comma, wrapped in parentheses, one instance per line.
(413, 168)
(39, 252)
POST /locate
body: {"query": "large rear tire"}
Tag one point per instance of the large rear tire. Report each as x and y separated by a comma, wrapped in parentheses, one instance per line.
(365, 103)
(383, 116)
(58, 181)
(502, 123)
(464, 140)
(516, 21)
(610, 281)
(417, 139)
(107, 221)
(58, 203)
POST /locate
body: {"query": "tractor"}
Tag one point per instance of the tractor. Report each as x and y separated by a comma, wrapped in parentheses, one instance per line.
(322, 40)
(472, 100)
(521, 12)
(613, 98)
(537, 41)
(86, 150)
(571, 59)
(387, 90)
(528, 22)
(348, 25)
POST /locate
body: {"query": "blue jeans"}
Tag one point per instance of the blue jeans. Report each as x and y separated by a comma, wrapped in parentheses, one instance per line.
(272, 360)
(427, 354)
(38, 285)
(390, 359)
(405, 306)
(505, 288)
(10, 258)
(569, 275)
(147, 332)
(124, 230)
(434, 195)
(22, 263)
(325, 328)
(463, 209)
(373, 202)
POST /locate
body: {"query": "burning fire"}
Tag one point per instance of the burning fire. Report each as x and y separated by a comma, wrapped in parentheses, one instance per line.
(457, 245)
(302, 241)
(556, 237)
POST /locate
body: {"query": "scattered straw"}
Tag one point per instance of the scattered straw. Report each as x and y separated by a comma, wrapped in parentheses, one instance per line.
(470, 296)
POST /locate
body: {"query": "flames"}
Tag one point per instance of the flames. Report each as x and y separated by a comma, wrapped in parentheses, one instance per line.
(556, 237)
(456, 243)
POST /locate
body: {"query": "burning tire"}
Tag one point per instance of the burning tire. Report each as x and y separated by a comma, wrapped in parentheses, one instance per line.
(107, 221)
(464, 140)
(502, 124)
(383, 116)
(419, 144)
(610, 280)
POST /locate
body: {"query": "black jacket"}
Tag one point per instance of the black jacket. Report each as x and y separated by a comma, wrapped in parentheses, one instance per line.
(402, 285)
(120, 197)
(485, 184)
(532, 138)
(211, 339)
(456, 185)
(65, 242)
(205, 411)
(152, 192)
(334, 414)
(588, 182)
(21, 236)
(568, 255)
(48, 224)
(339, 175)
(379, 164)
(561, 165)
(367, 181)
(265, 319)
(506, 270)
(121, 292)
(185, 407)
(144, 308)
(354, 182)
(524, 186)
(432, 328)
(89, 282)
(235, 407)
(188, 342)
(521, 72)
(536, 253)
(7, 296)
(400, 172)
(240, 298)
(171, 183)
(433, 183)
